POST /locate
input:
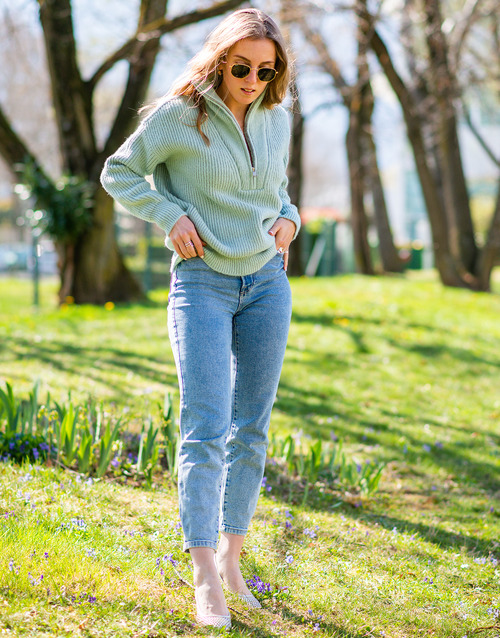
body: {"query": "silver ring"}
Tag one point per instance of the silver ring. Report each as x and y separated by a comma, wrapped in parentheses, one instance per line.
(286, 252)
(189, 243)
(280, 250)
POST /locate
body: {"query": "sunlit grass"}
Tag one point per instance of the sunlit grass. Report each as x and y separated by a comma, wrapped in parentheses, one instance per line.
(400, 369)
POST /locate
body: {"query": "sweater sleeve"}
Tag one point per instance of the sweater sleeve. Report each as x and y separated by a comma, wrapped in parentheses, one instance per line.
(124, 173)
(288, 210)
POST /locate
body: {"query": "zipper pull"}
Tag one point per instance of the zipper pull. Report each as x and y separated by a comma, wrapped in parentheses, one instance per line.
(254, 172)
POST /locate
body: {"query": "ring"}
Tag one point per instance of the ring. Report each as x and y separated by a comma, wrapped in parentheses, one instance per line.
(280, 250)
(286, 252)
(189, 243)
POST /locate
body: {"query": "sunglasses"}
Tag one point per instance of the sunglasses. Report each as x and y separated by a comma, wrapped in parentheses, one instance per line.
(265, 74)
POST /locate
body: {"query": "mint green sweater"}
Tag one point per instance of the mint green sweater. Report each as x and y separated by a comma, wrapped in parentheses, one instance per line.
(233, 190)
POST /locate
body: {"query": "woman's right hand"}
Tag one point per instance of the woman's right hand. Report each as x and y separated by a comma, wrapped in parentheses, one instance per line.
(185, 238)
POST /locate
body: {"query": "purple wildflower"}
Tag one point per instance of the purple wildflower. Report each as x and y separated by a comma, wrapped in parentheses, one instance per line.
(168, 557)
(36, 453)
(310, 532)
(426, 447)
(257, 583)
(289, 559)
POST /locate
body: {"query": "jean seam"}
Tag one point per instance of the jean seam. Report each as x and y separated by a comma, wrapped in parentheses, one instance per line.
(233, 421)
(181, 374)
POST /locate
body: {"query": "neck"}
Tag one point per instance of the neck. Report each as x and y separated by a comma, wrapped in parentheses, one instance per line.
(239, 111)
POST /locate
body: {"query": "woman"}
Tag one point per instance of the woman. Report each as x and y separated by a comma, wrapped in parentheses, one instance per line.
(217, 146)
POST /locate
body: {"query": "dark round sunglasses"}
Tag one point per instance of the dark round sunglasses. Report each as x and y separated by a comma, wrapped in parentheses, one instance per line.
(265, 74)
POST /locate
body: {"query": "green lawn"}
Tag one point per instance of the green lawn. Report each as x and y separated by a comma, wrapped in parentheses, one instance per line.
(400, 369)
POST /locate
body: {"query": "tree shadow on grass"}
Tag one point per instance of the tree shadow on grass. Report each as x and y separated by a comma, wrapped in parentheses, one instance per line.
(430, 533)
(288, 615)
(461, 354)
(98, 363)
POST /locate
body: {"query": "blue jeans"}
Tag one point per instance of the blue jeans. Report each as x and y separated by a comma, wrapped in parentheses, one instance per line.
(228, 336)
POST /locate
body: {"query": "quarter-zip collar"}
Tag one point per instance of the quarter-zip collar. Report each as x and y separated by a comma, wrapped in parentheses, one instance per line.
(207, 90)
(209, 93)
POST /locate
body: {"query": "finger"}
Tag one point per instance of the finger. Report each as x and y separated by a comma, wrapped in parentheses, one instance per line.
(285, 260)
(198, 245)
(190, 248)
(180, 249)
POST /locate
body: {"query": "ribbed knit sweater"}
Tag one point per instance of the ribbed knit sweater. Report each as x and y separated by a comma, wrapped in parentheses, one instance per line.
(232, 190)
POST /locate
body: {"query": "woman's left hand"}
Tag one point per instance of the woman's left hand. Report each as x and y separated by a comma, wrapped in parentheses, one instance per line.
(283, 231)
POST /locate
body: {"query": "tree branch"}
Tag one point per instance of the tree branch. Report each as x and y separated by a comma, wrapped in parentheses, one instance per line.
(489, 255)
(72, 102)
(155, 29)
(12, 148)
(477, 134)
(467, 18)
(326, 61)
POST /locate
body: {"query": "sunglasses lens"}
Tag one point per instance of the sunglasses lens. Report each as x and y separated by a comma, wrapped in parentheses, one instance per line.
(240, 70)
(266, 74)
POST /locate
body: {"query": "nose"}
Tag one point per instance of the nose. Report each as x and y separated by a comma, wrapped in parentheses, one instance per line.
(252, 76)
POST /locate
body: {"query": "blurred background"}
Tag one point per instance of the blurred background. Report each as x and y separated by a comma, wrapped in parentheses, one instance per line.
(395, 117)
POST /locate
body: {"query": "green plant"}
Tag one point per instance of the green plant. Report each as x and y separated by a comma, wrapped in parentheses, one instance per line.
(84, 452)
(18, 447)
(171, 439)
(105, 443)
(365, 477)
(62, 208)
(67, 444)
(148, 451)
(10, 409)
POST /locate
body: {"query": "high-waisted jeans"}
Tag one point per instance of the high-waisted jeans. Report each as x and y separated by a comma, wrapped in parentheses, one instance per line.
(228, 336)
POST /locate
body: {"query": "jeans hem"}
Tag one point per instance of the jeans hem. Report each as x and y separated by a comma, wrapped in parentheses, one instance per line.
(190, 544)
(234, 530)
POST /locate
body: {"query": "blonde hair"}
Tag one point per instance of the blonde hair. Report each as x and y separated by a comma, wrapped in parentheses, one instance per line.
(204, 66)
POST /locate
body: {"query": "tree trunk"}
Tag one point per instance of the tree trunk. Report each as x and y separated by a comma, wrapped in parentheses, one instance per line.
(445, 92)
(295, 266)
(443, 257)
(99, 273)
(391, 262)
(489, 255)
(359, 220)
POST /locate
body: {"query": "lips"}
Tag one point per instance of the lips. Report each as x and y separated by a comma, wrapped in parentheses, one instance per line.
(248, 91)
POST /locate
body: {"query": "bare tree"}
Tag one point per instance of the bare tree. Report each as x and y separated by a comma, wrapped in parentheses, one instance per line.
(429, 99)
(295, 172)
(91, 267)
(364, 174)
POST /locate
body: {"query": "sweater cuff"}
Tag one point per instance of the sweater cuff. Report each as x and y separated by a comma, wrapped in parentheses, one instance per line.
(291, 213)
(169, 220)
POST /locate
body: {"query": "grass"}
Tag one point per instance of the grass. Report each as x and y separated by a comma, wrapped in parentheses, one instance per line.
(400, 369)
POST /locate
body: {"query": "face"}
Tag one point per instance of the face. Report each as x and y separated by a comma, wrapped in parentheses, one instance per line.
(237, 93)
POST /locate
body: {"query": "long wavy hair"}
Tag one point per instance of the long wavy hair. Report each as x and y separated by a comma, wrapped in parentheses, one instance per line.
(204, 67)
